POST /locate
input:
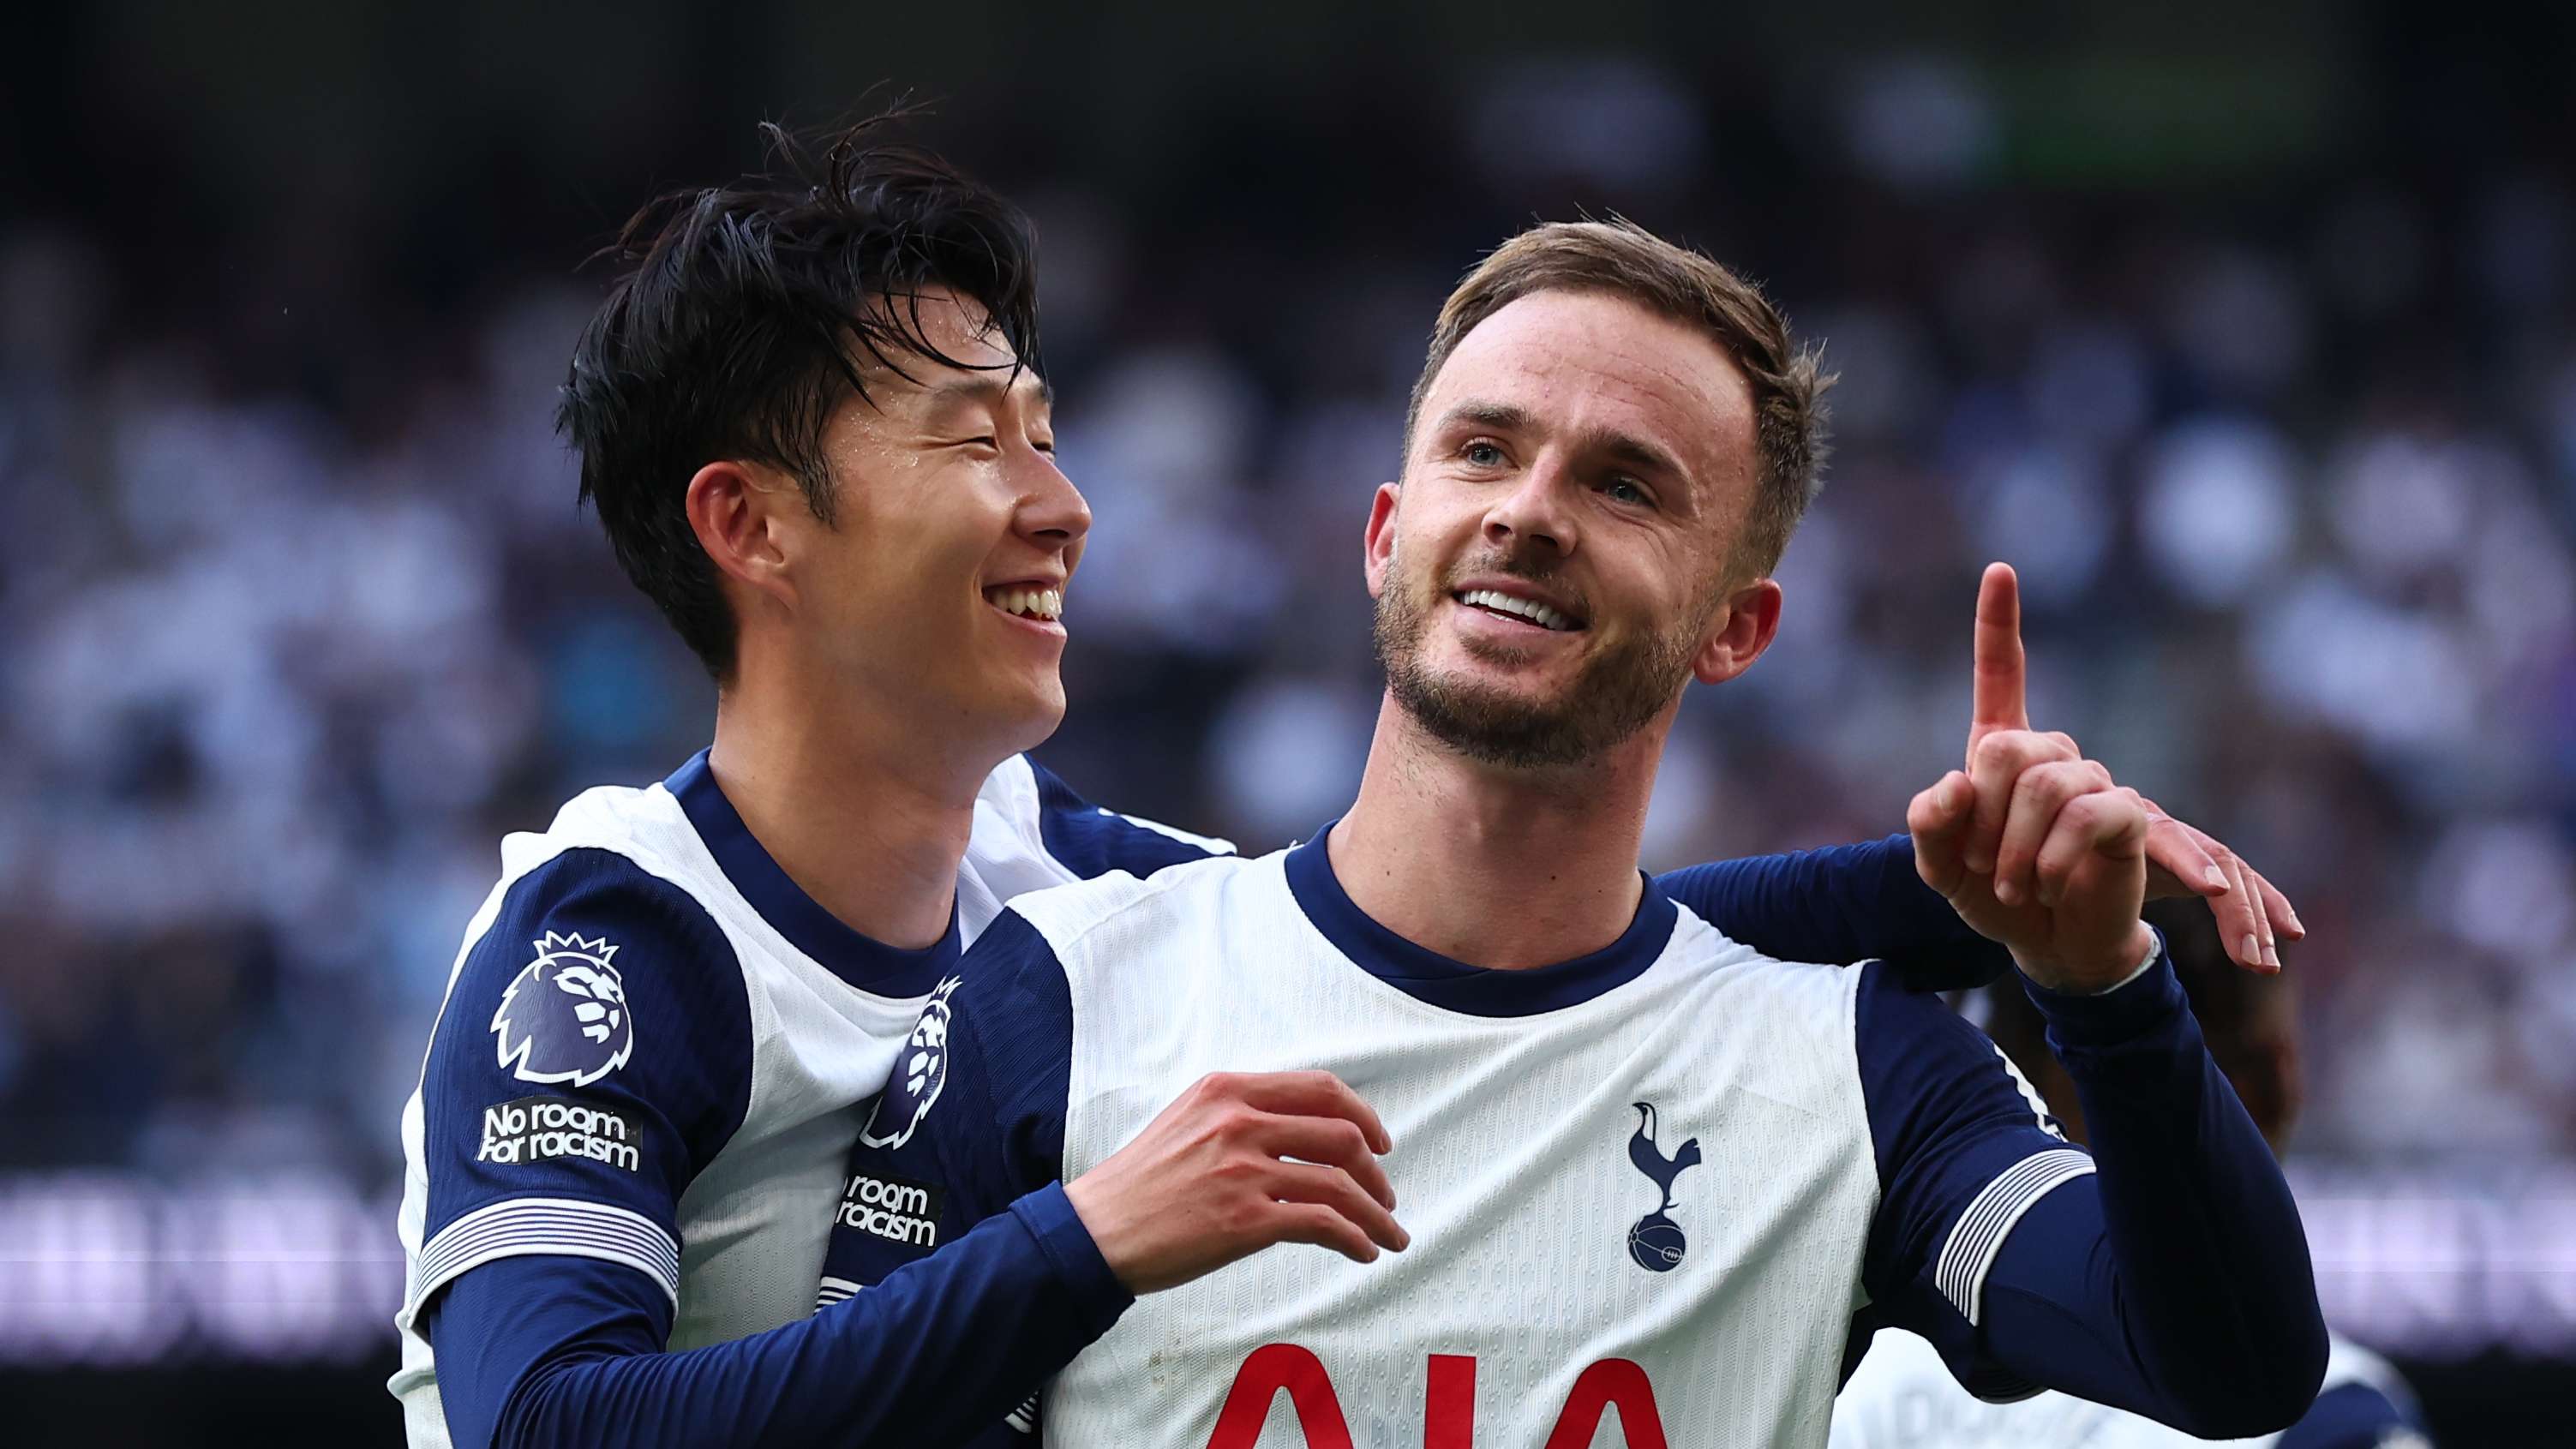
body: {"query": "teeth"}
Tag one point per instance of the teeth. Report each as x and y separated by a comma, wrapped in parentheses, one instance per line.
(1530, 609)
(1028, 603)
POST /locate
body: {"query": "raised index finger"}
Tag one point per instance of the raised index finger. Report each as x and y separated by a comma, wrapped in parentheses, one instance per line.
(1999, 702)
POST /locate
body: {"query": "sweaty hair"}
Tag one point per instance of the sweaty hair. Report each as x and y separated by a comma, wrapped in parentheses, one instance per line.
(1623, 259)
(741, 318)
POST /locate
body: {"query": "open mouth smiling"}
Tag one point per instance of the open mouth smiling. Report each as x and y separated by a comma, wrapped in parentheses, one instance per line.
(1027, 601)
(1532, 612)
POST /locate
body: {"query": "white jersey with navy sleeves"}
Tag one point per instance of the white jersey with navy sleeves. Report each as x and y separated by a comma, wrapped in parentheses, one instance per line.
(1902, 1397)
(655, 1050)
(1664, 1186)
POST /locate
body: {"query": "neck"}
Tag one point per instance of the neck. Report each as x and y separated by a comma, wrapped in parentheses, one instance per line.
(864, 819)
(1497, 867)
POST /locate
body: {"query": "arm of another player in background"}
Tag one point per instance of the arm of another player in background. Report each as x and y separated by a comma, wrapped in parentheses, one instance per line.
(2164, 1273)
(1855, 902)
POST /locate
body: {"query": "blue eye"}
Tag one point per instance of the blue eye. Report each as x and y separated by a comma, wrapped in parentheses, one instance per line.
(1625, 490)
(1482, 455)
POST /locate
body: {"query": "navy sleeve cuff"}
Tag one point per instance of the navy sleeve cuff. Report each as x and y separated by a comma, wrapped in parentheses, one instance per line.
(1049, 1216)
(2132, 1010)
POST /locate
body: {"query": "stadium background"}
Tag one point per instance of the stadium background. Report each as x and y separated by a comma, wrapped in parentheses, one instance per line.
(2245, 333)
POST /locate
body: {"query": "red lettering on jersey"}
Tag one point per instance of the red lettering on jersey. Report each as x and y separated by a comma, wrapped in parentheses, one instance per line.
(1449, 1409)
(1611, 1381)
(1449, 1405)
(1272, 1367)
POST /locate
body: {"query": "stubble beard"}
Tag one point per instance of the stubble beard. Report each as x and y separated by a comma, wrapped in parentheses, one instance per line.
(1619, 690)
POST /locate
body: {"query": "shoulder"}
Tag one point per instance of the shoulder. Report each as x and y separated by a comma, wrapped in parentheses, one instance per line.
(641, 926)
(1812, 997)
(592, 1056)
(1902, 1032)
(1950, 1116)
(1068, 916)
(1087, 839)
(589, 967)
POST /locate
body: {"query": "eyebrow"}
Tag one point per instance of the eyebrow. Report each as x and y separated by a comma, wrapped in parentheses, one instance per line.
(1624, 447)
(986, 388)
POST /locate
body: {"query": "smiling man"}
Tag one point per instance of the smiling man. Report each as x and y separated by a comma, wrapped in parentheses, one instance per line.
(1652, 1174)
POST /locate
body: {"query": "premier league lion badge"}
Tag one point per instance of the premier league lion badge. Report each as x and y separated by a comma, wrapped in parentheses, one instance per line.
(919, 1073)
(564, 1016)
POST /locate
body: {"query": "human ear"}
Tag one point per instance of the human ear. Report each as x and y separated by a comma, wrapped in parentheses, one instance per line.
(1741, 629)
(1379, 541)
(733, 509)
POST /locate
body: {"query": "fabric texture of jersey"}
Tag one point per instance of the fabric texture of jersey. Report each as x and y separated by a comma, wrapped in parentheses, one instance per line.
(655, 1050)
(1664, 1181)
(1902, 1397)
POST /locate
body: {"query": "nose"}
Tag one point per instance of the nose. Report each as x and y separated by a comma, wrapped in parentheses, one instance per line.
(1536, 511)
(1052, 512)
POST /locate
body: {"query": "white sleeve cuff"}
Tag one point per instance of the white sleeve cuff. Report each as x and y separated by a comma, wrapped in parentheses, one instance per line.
(534, 1225)
(1981, 1230)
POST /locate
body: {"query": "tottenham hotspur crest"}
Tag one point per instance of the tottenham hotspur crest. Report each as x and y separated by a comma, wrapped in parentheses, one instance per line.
(919, 1072)
(564, 1016)
(1656, 1241)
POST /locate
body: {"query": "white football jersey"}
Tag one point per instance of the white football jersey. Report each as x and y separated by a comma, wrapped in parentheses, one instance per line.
(1655, 1194)
(1901, 1397)
(656, 1050)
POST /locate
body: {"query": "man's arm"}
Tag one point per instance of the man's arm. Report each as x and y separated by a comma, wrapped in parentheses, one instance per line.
(592, 1057)
(1236, 1164)
(545, 1349)
(1864, 901)
(2174, 1280)
(561, 1351)
(2165, 1272)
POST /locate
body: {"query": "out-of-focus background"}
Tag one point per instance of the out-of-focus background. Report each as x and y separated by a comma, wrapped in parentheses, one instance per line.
(2244, 332)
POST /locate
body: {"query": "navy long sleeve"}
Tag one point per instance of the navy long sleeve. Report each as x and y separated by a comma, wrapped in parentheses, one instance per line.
(2175, 1280)
(2164, 1272)
(540, 1351)
(1842, 903)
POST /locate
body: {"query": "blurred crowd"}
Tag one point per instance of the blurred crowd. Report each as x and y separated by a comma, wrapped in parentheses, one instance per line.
(2290, 477)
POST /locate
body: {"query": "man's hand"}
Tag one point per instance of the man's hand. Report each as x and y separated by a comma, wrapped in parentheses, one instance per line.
(2086, 842)
(1236, 1164)
(2033, 844)
(2182, 860)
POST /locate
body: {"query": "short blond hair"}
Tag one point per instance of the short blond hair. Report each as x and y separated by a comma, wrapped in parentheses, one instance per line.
(1624, 259)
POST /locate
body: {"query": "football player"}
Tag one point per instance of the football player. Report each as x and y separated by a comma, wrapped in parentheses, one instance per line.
(811, 421)
(1901, 1398)
(1649, 1170)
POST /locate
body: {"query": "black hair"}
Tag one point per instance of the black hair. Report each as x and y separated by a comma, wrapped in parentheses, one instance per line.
(739, 322)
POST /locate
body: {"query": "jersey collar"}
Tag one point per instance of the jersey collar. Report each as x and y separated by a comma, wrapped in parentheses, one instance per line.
(1453, 985)
(862, 961)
